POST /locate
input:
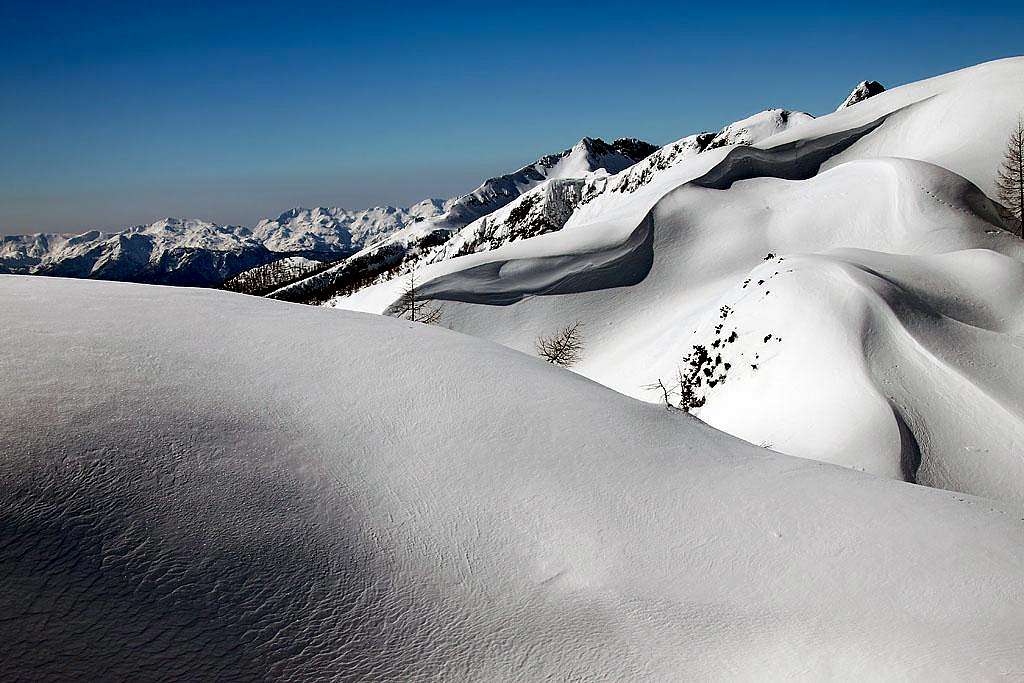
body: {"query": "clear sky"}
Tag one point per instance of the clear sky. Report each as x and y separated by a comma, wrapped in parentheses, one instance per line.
(118, 113)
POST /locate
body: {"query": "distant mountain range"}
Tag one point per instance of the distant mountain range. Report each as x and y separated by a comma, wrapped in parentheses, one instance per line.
(371, 244)
(193, 252)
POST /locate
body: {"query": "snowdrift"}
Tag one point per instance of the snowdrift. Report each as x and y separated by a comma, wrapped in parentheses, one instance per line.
(870, 283)
(200, 484)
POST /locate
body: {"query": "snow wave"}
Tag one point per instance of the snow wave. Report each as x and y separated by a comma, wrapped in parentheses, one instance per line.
(822, 392)
(504, 282)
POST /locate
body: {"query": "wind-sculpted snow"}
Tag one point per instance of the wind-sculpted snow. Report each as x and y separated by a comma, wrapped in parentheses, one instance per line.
(915, 360)
(548, 207)
(621, 265)
(825, 300)
(798, 160)
(200, 485)
(501, 283)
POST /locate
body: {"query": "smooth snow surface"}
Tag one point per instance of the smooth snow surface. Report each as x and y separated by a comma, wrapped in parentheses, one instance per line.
(875, 296)
(203, 485)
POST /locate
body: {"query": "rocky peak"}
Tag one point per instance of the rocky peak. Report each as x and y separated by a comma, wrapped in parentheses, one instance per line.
(864, 90)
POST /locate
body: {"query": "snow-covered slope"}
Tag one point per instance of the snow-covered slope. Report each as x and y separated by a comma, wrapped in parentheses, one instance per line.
(201, 485)
(586, 156)
(545, 208)
(538, 199)
(406, 247)
(551, 205)
(847, 278)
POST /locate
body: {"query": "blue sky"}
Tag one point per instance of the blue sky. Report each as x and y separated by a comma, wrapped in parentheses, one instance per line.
(116, 113)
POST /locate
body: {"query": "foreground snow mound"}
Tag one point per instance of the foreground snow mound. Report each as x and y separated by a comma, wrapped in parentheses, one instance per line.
(200, 484)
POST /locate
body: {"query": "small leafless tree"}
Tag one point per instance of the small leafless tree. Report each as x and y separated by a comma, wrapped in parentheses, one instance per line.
(410, 307)
(564, 348)
(681, 394)
(1010, 180)
(667, 393)
(685, 391)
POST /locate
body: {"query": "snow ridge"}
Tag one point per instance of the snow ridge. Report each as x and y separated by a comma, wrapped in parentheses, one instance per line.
(426, 240)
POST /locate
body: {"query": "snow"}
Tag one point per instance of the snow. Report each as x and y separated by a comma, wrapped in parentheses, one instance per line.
(556, 188)
(272, 275)
(340, 230)
(196, 252)
(201, 484)
(889, 279)
(417, 241)
(760, 126)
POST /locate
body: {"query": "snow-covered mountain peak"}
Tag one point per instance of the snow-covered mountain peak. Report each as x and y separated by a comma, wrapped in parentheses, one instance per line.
(189, 233)
(335, 230)
(321, 233)
(863, 91)
(748, 131)
(759, 126)
(588, 158)
(592, 154)
(430, 207)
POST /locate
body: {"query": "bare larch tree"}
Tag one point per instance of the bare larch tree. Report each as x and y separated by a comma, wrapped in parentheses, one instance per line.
(1010, 180)
(410, 307)
(564, 348)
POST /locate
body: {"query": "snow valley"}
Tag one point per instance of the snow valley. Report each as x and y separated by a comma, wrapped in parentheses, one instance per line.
(749, 405)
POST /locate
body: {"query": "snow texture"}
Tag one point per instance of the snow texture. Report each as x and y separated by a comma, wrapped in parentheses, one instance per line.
(203, 485)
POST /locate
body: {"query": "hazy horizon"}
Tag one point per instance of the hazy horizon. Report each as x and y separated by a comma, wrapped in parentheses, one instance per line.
(124, 114)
